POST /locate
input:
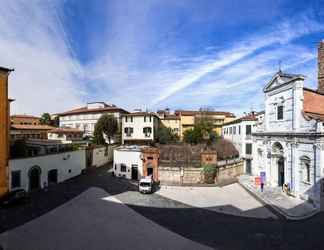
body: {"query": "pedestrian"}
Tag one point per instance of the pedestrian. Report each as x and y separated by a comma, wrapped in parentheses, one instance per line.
(262, 186)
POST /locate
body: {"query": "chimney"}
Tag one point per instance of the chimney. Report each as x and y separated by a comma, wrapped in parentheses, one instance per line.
(321, 67)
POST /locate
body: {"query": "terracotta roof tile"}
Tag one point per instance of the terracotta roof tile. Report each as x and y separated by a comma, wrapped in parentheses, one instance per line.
(25, 116)
(85, 110)
(313, 102)
(194, 112)
(31, 127)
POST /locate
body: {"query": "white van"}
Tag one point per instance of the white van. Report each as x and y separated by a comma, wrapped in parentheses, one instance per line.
(145, 185)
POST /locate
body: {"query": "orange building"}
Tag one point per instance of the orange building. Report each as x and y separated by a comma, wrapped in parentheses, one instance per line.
(150, 157)
(25, 120)
(4, 130)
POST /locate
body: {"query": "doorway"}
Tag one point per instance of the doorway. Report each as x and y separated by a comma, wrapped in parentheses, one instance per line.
(52, 177)
(149, 171)
(248, 166)
(134, 172)
(34, 178)
(281, 172)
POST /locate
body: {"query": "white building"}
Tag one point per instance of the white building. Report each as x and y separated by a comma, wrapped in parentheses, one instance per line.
(239, 132)
(139, 127)
(85, 118)
(65, 135)
(37, 172)
(289, 146)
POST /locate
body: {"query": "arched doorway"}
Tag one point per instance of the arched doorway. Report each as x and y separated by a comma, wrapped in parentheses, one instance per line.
(281, 171)
(34, 178)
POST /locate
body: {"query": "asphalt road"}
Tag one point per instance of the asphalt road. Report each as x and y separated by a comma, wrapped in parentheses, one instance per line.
(202, 226)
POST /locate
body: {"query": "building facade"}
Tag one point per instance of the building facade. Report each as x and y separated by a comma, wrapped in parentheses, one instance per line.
(239, 132)
(85, 118)
(289, 148)
(23, 132)
(188, 119)
(139, 127)
(65, 135)
(24, 120)
(4, 129)
(171, 121)
(134, 162)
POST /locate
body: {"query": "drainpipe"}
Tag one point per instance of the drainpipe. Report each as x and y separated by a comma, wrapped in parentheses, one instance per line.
(314, 147)
(291, 168)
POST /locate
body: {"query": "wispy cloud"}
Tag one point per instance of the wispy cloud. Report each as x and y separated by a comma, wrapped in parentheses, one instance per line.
(33, 41)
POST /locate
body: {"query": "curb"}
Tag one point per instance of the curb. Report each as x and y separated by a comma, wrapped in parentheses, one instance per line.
(280, 213)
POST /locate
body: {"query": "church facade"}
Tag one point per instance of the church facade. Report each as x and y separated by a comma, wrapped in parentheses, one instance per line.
(289, 145)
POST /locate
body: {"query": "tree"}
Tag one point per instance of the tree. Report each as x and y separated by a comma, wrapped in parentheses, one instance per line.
(165, 135)
(209, 173)
(191, 136)
(46, 119)
(106, 125)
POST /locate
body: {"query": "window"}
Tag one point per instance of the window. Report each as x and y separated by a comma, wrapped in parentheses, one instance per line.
(280, 112)
(248, 148)
(147, 131)
(15, 179)
(230, 130)
(234, 130)
(248, 129)
(128, 131)
(239, 129)
(123, 168)
(305, 164)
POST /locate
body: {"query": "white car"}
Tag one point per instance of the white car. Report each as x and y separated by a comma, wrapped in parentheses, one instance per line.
(145, 185)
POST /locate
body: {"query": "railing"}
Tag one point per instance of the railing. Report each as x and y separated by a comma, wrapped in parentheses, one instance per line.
(228, 162)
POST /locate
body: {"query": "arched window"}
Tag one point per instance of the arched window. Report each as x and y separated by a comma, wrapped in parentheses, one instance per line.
(277, 148)
(305, 167)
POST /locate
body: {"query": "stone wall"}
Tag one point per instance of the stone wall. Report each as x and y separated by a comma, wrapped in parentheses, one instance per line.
(190, 175)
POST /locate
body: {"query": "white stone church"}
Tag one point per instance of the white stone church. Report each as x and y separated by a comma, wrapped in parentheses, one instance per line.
(289, 145)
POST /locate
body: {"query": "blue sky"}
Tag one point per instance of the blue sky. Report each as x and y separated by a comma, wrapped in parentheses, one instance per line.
(182, 54)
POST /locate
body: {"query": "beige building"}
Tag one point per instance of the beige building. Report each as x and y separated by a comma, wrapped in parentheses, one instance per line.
(25, 120)
(170, 121)
(188, 118)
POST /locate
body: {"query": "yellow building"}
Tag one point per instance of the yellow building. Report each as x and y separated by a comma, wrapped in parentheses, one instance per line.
(188, 118)
(4, 130)
(170, 121)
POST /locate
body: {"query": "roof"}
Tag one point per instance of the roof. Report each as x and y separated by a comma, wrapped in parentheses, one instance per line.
(249, 117)
(194, 112)
(31, 127)
(85, 110)
(281, 79)
(140, 114)
(65, 130)
(170, 117)
(25, 116)
(6, 69)
(313, 104)
(131, 148)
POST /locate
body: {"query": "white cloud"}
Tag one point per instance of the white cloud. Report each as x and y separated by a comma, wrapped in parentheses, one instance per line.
(34, 43)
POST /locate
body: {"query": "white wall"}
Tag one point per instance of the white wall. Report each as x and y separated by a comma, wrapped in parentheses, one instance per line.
(102, 155)
(68, 164)
(128, 158)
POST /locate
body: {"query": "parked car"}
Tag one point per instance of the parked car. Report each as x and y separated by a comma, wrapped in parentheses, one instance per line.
(14, 197)
(145, 185)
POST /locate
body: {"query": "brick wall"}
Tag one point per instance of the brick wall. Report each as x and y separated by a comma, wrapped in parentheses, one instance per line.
(321, 67)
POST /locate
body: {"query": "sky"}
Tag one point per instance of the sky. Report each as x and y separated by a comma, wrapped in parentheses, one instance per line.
(154, 54)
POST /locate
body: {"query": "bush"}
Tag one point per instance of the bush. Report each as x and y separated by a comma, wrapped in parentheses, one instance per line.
(165, 135)
(209, 174)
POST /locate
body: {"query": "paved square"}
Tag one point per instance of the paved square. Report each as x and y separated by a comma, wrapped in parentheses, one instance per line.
(231, 199)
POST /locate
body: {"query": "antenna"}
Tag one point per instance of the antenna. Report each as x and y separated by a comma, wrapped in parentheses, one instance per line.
(279, 65)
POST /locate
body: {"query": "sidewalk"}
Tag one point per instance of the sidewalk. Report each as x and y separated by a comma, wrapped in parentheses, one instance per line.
(291, 208)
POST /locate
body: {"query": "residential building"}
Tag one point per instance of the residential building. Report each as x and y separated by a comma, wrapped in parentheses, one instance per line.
(188, 118)
(171, 121)
(134, 162)
(290, 148)
(18, 132)
(37, 172)
(239, 132)
(85, 118)
(25, 120)
(4, 129)
(139, 127)
(65, 135)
